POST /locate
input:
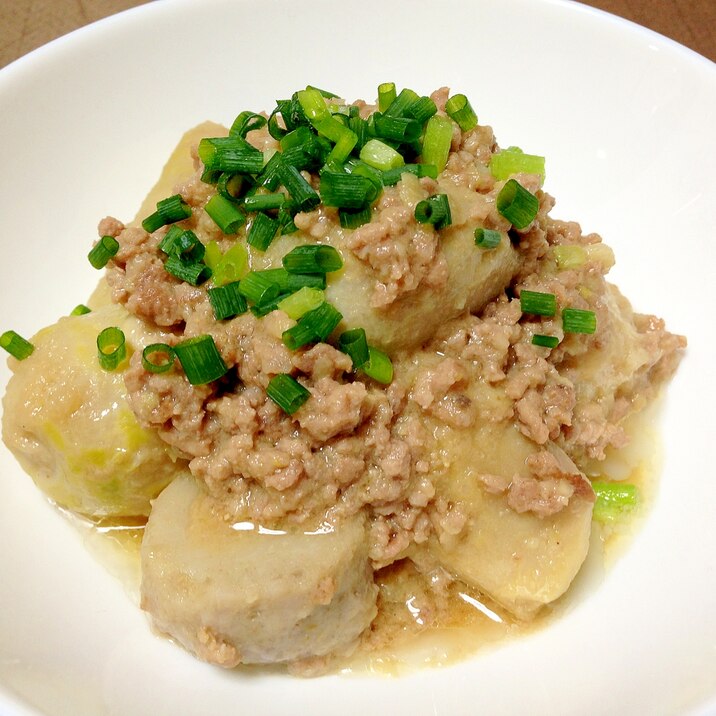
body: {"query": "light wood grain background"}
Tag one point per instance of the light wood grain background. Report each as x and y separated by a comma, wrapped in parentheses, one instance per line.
(27, 24)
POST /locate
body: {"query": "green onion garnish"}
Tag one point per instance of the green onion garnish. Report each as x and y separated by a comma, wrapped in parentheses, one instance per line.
(437, 141)
(614, 500)
(287, 393)
(313, 105)
(380, 155)
(386, 95)
(392, 176)
(397, 129)
(245, 123)
(158, 358)
(169, 211)
(193, 272)
(292, 282)
(517, 205)
(346, 191)
(487, 238)
(298, 336)
(352, 219)
(231, 266)
(569, 256)
(80, 309)
(322, 320)
(230, 154)
(577, 320)
(227, 301)
(302, 193)
(434, 210)
(182, 243)
(538, 339)
(103, 251)
(200, 359)
(459, 108)
(379, 366)
(312, 258)
(225, 213)
(538, 303)
(231, 186)
(262, 231)
(17, 346)
(354, 343)
(258, 288)
(422, 109)
(304, 300)
(111, 347)
(513, 161)
(399, 106)
(264, 202)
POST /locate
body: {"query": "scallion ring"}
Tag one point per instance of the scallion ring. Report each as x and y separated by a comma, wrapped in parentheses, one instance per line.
(158, 358)
(111, 347)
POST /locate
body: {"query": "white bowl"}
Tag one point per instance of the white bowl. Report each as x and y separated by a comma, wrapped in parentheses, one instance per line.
(626, 120)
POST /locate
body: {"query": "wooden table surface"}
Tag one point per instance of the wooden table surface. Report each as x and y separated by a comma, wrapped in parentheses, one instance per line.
(27, 24)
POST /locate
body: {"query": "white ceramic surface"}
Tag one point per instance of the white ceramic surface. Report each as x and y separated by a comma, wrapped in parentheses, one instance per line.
(626, 120)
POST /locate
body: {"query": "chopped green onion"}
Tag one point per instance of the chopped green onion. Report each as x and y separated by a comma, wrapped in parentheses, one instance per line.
(569, 256)
(287, 393)
(80, 310)
(352, 219)
(397, 129)
(169, 211)
(538, 303)
(344, 139)
(262, 309)
(17, 346)
(577, 320)
(298, 336)
(231, 266)
(312, 258)
(264, 202)
(538, 339)
(393, 176)
(111, 348)
(301, 302)
(258, 288)
(303, 194)
(386, 95)
(182, 243)
(399, 106)
(517, 205)
(230, 154)
(354, 343)
(437, 141)
(225, 214)
(614, 500)
(379, 366)
(459, 108)
(346, 191)
(212, 256)
(262, 232)
(200, 359)
(327, 94)
(422, 109)
(359, 167)
(231, 186)
(103, 251)
(380, 155)
(193, 272)
(322, 320)
(435, 210)
(292, 282)
(245, 123)
(487, 238)
(514, 161)
(313, 105)
(158, 358)
(269, 175)
(227, 301)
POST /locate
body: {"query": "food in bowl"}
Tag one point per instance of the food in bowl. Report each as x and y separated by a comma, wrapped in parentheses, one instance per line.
(345, 359)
